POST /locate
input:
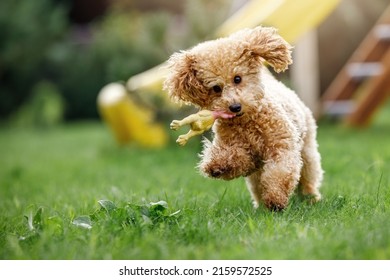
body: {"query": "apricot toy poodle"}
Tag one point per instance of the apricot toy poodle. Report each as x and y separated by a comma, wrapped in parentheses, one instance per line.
(267, 134)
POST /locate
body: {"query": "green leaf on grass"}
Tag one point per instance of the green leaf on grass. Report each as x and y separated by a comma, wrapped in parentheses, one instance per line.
(147, 220)
(160, 203)
(29, 219)
(83, 222)
(107, 205)
(37, 220)
(34, 222)
(132, 214)
(157, 208)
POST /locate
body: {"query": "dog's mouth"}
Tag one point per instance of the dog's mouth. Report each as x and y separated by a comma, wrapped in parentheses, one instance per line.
(227, 115)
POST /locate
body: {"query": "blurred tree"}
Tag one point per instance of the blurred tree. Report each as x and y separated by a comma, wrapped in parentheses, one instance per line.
(120, 45)
(44, 107)
(28, 29)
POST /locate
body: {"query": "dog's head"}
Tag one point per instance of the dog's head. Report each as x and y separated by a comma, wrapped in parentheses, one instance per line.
(223, 75)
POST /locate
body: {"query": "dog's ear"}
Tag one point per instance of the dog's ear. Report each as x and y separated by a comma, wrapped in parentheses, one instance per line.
(268, 45)
(181, 81)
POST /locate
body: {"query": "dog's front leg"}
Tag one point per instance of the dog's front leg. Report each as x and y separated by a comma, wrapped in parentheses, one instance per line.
(276, 180)
(226, 162)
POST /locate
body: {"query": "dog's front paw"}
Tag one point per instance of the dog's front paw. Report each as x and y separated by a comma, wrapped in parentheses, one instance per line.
(217, 171)
(175, 125)
(275, 202)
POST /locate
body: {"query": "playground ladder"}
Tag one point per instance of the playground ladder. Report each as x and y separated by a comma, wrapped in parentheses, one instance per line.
(363, 84)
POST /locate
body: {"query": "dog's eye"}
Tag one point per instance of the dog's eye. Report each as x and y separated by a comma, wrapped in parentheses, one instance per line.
(237, 79)
(217, 89)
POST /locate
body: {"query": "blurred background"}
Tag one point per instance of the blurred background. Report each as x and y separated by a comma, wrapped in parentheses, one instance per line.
(56, 55)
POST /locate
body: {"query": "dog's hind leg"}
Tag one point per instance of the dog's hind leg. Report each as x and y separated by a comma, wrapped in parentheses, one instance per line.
(311, 173)
(254, 187)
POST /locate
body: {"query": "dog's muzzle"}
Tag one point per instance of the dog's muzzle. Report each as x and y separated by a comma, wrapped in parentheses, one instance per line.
(235, 108)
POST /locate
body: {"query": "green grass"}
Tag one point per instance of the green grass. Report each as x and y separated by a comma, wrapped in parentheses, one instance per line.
(54, 177)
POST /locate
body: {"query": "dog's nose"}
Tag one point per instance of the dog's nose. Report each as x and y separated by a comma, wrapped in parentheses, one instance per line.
(235, 108)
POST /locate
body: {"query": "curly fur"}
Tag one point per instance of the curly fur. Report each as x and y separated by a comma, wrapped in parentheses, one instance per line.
(271, 141)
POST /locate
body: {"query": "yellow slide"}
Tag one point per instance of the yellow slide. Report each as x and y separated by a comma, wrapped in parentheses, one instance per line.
(291, 17)
(129, 121)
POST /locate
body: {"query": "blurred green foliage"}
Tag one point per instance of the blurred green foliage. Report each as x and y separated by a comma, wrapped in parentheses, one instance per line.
(43, 108)
(122, 45)
(39, 44)
(28, 30)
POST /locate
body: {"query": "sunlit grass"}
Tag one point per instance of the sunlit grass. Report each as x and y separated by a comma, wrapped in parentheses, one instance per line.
(65, 171)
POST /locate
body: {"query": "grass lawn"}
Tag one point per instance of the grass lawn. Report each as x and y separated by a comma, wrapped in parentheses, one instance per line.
(51, 182)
